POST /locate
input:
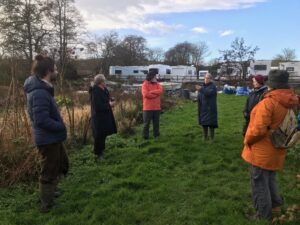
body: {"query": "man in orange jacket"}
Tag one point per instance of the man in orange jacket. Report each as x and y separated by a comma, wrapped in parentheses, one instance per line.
(259, 152)
(151, 91)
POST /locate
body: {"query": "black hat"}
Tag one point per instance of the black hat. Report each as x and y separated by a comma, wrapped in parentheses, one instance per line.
(278, 79)
(151, 74)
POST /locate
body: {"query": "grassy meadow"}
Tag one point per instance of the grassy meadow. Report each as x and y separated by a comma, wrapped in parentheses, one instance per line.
(176, 180)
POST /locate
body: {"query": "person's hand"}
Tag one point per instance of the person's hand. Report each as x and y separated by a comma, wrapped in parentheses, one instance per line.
(198, 87)
(112, 103)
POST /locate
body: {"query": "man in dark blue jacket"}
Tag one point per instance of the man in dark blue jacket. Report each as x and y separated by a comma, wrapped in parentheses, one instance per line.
(48, 128)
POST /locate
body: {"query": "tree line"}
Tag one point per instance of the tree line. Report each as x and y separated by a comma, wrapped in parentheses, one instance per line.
(56, 28)
(133, 50)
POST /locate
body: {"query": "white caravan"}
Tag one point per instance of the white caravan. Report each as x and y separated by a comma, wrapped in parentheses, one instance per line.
(183, 73)
(202, 74)
(163, 71)
(293, 68)
(261, 67)
(125, 71)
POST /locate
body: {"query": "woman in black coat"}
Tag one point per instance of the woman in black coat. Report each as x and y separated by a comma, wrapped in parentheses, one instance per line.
(207, 107)
(103, 121)
(254, 97)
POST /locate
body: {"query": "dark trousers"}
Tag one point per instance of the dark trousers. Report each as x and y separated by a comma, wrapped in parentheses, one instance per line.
(54, 162)
(99, 145)
(212, 132)
(265, 192)
(147, 117)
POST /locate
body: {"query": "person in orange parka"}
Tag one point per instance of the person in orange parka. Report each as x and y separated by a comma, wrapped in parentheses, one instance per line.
(151, 91)
(259, 152)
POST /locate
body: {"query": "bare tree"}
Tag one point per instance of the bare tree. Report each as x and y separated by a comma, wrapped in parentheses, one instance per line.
(67, 25)
(92, 48)
(199, 52)
(109, 49)
(22, 27)
(187, 53)
(132, 51)
(156, 55)
(108, 44)
(286, 55)
(239, 56)
(180, 54)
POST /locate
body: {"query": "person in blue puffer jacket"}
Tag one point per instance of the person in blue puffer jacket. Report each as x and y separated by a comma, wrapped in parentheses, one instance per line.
(49, 129)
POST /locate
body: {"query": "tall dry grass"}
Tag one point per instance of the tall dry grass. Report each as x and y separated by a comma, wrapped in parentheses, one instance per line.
(17, 152)
(128, 113)
(19, 159)
(77, 120)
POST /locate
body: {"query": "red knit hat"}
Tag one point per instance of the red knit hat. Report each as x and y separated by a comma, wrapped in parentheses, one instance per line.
(259, 78)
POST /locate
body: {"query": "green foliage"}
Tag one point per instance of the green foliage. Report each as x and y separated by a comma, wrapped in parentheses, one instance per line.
(177, 179)
(63, 101)
(19, 140)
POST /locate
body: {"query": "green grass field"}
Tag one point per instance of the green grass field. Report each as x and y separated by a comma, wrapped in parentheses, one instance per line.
(176, 180)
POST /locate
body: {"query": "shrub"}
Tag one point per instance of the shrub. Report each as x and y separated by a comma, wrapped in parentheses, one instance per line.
(128, 113)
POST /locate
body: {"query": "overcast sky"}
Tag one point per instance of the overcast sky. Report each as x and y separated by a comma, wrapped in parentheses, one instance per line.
(270, 24)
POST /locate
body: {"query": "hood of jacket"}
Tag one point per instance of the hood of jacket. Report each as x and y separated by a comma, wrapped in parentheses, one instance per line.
(33, 83)
(261, 89)
(286, 97)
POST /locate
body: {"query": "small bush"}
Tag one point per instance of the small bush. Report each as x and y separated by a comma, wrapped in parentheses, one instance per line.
(128, 113)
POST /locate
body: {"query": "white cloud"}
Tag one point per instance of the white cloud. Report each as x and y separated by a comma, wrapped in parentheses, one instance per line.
(226, 33)
(157, 26)
(135, 14)
(201, 30)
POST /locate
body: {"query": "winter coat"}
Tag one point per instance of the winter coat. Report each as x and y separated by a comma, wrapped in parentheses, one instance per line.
(252, 100)
(103, 121)
(207, 105)
(48, 126)
(267, 114)
(151, 95)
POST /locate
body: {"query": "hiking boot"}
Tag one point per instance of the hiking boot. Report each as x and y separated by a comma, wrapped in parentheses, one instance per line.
(46, 197)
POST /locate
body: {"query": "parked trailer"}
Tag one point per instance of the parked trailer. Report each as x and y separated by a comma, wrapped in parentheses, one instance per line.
(124, 72)
(182, 73)
(163, 71)
(293, 68)
(261, 67)
(202, 73)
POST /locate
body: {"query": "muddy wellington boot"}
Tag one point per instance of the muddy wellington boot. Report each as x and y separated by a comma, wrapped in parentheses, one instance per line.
(46, 197)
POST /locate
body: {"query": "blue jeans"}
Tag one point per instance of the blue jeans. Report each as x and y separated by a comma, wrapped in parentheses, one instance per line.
(265, 191)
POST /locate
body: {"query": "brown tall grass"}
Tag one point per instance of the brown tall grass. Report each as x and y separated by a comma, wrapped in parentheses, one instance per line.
(19, 159)
(79, 121)
(16, 149)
